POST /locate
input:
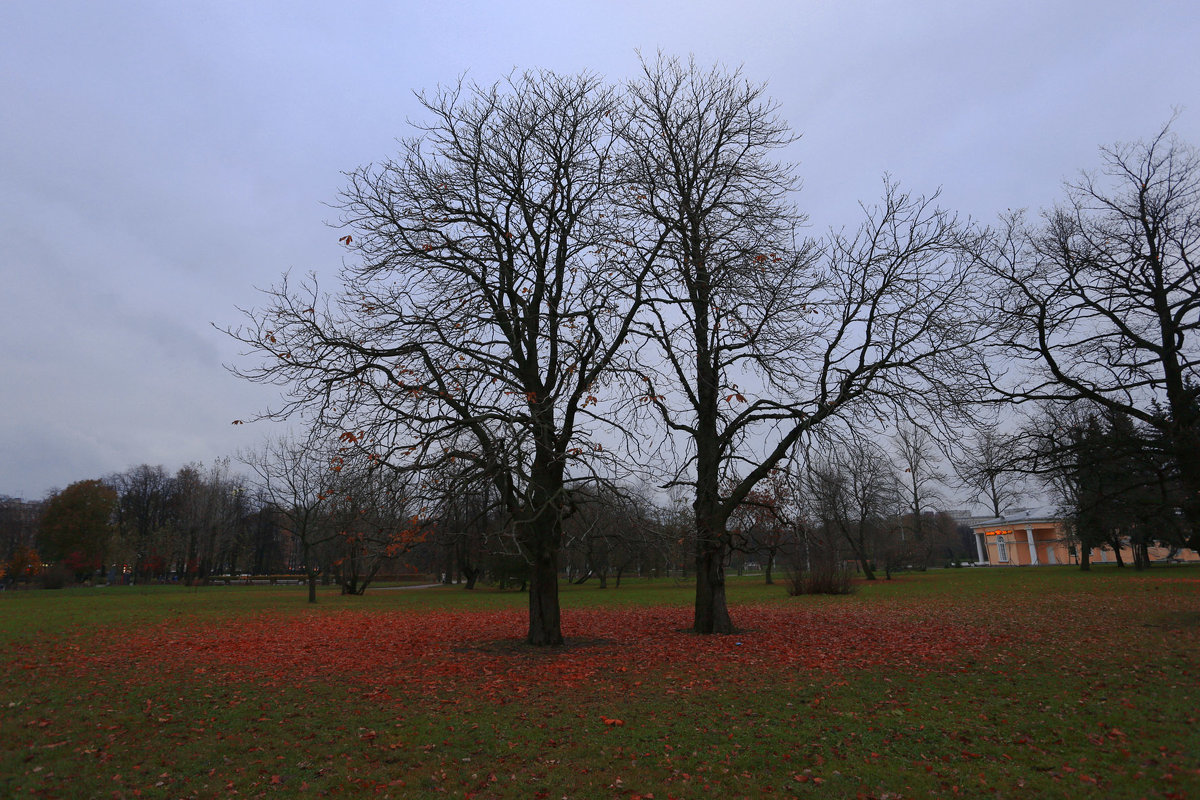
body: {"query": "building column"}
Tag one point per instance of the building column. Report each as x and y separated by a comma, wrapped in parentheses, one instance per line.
(1033, 559)
(979, 548)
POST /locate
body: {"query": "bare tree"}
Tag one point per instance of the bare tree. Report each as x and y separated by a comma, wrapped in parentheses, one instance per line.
(296, 477)
(210, 506)
(1102, 297)
(767, 522)
(852, 490)
(920, 477)
(989, 465)
(143, 516)
(761, 339)
(375, 520)
(467, 517)
(612, 530)
(488, 299)
(699, 173)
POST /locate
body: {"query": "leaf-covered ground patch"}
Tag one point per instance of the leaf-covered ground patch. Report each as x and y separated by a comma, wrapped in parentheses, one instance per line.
(986, 684)
(424, 652)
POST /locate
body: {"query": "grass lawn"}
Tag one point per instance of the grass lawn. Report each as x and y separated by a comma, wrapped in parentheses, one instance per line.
(1035, 682)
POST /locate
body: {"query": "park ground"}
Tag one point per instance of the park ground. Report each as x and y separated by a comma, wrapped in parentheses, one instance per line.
(1036, 682)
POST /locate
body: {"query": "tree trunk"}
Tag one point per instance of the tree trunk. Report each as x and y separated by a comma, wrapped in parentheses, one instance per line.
(1116, 546)
(539, 530)
(361, 582)
(349, 574)
(860, 554)
(470, 575)
(1085, 558)
(1141, 556)
(466, 569)
(544, 619)
(770, 566)
(712, 614)
(306, 554)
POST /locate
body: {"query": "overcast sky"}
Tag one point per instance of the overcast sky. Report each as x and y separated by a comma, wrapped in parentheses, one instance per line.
(161, 159)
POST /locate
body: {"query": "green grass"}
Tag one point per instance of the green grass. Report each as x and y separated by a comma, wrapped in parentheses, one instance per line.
(1078, 685)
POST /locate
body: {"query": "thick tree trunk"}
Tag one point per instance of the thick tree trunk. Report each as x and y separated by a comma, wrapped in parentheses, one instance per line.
(361, 582)
(542, 534)
(539, 528)
(770, 566)
(1141, 556)
(712, 614)
(1085, 558)
(544, 619)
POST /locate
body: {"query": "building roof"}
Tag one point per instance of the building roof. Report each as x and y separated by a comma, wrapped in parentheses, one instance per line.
(1022, 516)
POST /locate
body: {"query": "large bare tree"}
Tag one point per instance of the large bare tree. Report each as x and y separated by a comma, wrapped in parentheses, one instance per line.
(1102, 297)
(487, 298)
(757, 338)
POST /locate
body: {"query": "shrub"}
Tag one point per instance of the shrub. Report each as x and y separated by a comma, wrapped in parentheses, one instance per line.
(817, 568)
(56, 576)
(834, 581)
